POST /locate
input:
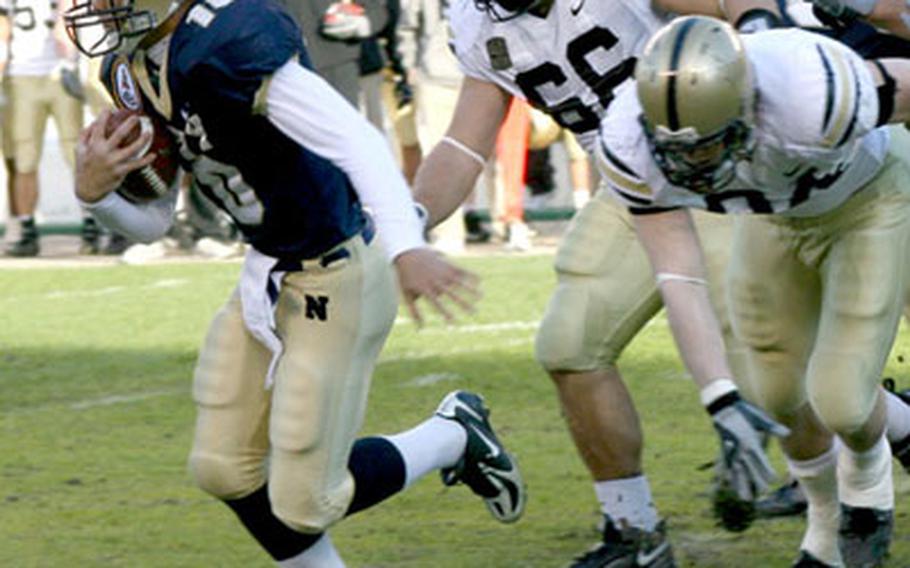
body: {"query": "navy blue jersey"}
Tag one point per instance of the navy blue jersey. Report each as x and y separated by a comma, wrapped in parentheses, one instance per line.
(288, 201)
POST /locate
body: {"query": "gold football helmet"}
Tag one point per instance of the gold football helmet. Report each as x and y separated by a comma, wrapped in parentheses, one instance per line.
(695, 87)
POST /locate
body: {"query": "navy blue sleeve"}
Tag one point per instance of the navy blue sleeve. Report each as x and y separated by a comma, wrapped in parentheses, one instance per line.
(227, 61)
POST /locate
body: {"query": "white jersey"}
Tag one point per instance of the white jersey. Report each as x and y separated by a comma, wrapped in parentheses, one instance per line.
(32, 49)
(816, 142)
(567, 64)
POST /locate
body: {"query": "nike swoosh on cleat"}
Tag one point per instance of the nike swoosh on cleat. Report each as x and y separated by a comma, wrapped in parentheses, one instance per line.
(644, 558)
(494, 448)
(470, 411)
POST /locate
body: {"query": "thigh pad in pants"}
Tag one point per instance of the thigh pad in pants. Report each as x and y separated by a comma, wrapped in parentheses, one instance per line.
(605, 291)
(322, 381)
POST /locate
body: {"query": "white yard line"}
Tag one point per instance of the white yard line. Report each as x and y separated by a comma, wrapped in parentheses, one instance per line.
(471, 328)
(429, 353)
(432, 379)
(123, 398)
(88, 403)
(163, 284)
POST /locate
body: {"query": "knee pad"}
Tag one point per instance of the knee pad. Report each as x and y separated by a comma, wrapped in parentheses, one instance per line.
(841, 391)
(587, 326)
(563, 342)
(305, 505)
(225, 478)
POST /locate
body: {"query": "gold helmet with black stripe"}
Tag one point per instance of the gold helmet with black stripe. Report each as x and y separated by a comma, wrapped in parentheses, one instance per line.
(695, 87)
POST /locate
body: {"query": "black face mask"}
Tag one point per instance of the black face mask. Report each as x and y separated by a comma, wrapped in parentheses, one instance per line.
(515, 5)
(504, 10)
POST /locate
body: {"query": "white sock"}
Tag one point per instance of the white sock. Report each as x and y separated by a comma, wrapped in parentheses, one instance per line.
(898, 426)
(628, 502)
(864, 478)
(321, 555)
(818, 479)
(434, 444)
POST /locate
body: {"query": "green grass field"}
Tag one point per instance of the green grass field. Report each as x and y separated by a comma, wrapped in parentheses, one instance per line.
(96, 422)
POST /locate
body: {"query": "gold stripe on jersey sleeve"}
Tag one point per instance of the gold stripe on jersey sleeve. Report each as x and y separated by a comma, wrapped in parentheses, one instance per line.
(618, 178)
(846, 98)
(261, 96)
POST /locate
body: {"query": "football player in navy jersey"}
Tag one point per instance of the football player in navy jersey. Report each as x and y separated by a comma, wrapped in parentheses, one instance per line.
(281, 383)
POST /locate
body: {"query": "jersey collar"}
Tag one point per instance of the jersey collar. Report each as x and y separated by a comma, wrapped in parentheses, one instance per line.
(153, 43)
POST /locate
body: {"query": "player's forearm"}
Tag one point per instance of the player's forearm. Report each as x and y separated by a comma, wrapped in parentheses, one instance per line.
(891, 15)
(670, 240)
(703, 7)
(444, 181)
(730, 10)
(696, 330)
(141, 223)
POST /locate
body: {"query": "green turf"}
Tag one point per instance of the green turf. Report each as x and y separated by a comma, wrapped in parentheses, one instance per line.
(96, 420)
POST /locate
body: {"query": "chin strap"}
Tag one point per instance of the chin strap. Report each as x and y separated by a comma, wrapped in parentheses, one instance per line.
(886, 93)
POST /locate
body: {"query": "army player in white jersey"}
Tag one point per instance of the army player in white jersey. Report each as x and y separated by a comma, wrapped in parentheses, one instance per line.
(567, 58)
(38, 50)
(787, 124)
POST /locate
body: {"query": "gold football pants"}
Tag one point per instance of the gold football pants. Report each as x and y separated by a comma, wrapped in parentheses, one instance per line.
(817, 301)
(333, 322)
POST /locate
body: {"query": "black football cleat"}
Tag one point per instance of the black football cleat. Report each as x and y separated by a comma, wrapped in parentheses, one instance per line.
(486, 467)
(28, 244)
(628, 548)
(89, 237)
(864, 535)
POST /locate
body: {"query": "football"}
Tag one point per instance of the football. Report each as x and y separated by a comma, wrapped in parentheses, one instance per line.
(155, 179)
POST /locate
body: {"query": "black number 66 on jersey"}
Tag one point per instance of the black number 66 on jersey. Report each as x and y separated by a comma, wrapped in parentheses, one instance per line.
(572, 113)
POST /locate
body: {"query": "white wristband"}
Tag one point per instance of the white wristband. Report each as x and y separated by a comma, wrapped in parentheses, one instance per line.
(716, 389)
(4, 52)
(664, 277)
(467, 151)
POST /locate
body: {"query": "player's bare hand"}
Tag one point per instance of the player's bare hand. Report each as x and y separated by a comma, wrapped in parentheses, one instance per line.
(102, 161)
(424, 273)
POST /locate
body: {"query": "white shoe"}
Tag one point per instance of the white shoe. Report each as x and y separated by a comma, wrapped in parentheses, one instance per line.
(141, 253)
(449, 246)
(13, 230)
(519, 237)
(213, 248)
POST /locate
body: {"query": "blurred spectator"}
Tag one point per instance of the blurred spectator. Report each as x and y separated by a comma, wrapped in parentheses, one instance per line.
(333, 31)
(544, 133)
(512, 160)
(13, 230)
(386, 90)
(40, 80)
(424, 40)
